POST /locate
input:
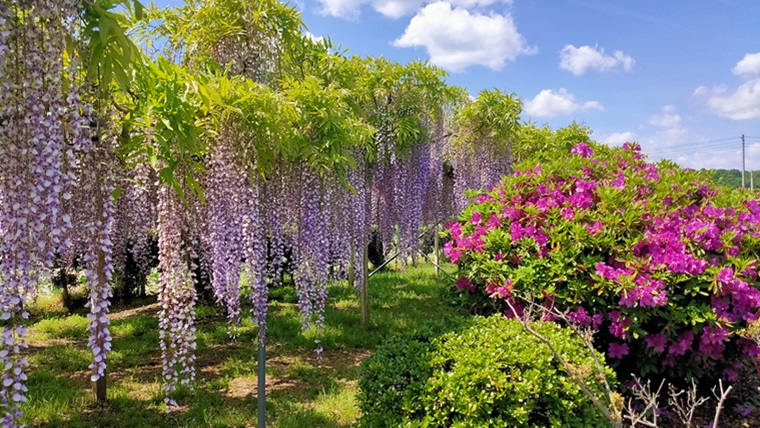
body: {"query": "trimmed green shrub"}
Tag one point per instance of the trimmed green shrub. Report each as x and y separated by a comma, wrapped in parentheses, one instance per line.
(393, 377)
(491, 374)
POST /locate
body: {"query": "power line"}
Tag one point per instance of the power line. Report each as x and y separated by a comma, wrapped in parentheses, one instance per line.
(695, 147)
(708, 142)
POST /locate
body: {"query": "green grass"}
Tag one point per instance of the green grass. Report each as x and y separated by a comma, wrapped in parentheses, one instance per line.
(302, 391)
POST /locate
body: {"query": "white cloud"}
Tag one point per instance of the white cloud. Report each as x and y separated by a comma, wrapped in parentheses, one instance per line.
(669, 133)
(456, 38)
(346, 9)
(753, 150)
(549, 103)
(351, 9)
(314, 38)
(748, 65)
(584, 58)
(670, 130)
(667, 119)
(617, 138)
(700, 91)
(743, 104)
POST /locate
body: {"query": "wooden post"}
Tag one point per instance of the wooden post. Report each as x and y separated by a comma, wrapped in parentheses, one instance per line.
(436, 247)
(364, 292)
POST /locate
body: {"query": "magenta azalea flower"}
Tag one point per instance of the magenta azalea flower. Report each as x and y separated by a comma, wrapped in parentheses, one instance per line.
(494, 221)
(567, 213)
(583, 150)
(476, 218)
(452, 253)
(580, 317)
(658, 341)
(595, 228)
(464, 283)
(618, 350)
(619, 182)
(683, 343)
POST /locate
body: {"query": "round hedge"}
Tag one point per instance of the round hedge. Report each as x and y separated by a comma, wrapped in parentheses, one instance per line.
(491, 374)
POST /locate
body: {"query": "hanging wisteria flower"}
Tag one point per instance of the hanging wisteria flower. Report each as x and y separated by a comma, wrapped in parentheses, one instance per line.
(33, 176)
(176, 298)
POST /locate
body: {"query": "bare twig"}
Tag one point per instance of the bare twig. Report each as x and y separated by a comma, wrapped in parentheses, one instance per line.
(721, 399)
(644, 394)
(685, 408)
(587, 336)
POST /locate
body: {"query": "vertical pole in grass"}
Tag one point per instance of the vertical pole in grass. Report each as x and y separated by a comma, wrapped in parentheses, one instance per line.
(350, 274)
(99, 389)
(436, 247)
(364, 292)
(262, 390)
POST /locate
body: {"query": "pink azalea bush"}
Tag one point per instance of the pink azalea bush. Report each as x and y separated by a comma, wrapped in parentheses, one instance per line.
(656, 259)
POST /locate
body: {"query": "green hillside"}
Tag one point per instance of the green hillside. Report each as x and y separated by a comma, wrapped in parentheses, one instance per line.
(733, 177)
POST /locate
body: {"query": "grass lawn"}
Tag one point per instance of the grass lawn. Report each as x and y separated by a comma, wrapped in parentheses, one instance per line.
(302, 391)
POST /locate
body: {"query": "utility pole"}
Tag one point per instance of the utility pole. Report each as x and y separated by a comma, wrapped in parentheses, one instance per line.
(743, 186)
(752, 180)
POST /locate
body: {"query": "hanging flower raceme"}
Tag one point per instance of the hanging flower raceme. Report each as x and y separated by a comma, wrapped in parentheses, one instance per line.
(97, 179)
(176, 296)
(32, 179)
(310, 253)
(226, 191)
(357, 212)
(255, 252)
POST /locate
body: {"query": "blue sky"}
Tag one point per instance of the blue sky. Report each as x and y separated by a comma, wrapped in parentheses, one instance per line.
(680, 77)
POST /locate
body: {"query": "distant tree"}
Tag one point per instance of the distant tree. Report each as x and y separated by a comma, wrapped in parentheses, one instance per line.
(731, 178)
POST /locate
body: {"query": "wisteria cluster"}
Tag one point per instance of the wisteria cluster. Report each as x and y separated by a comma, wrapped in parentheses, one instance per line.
(176, 296)
(255, 254)
(94, 219)
(660, 262)
(409, 190)
(36, 173)
(136, 215)
(227, 195)
(476, 168)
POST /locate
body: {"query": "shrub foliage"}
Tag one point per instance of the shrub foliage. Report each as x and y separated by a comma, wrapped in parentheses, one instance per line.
(654, 257)
(491, 374)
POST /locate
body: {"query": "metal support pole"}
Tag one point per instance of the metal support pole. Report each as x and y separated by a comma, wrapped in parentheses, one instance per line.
(440, 268)
(364, 292)
(350, 276)
(436, 247)
(743, 169)
(262, 386)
